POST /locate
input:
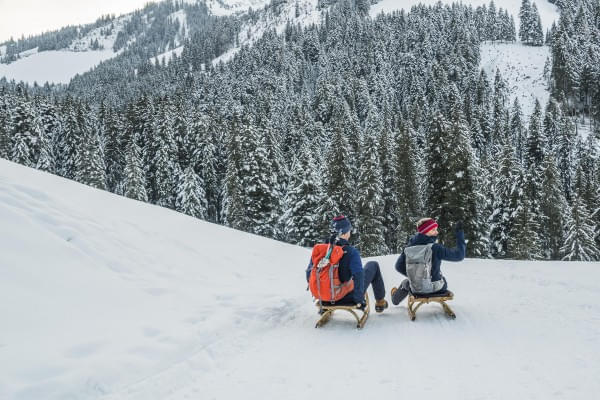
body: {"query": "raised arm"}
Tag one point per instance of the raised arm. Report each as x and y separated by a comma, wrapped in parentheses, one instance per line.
(457, 253)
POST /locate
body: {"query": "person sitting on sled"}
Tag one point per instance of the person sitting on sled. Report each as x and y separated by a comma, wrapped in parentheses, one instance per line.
(424, 245)
(350, 268)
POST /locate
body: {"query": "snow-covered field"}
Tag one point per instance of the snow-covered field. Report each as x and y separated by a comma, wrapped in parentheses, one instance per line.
(103, 297)
(60, 66)
(522, 68)
(55, 66)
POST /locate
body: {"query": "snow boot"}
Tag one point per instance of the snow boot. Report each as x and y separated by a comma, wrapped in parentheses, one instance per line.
(381, 305)
(398, 294)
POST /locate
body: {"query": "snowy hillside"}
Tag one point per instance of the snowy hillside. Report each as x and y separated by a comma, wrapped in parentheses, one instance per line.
(302, 12)
(60, 66)
(103, 297)
(548, 12)
(522, 68)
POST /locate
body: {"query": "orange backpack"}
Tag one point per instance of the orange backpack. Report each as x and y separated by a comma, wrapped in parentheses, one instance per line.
(324, 281)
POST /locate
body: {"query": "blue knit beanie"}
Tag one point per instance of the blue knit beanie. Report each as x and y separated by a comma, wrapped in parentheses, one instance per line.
(341, 224)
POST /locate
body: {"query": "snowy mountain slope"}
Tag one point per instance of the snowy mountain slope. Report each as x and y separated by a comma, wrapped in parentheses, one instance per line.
(228, 7)
(548, 12)
(275, 18)
(60, 66)
(522, 68)
(103, 297)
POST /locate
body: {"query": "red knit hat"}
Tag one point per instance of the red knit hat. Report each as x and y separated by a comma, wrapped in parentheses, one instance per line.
(427, 226)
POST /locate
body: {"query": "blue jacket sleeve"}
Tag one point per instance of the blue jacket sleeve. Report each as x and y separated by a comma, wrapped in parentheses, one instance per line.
(358, 276)
(457, 253)
(401, 264)
(444, 253)
(308, 270)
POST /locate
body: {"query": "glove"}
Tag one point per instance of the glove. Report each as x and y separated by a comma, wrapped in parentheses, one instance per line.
(458, 226)
(361, 306)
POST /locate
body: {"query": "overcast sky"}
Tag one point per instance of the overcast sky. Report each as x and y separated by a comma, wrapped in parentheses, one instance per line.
(30, 17)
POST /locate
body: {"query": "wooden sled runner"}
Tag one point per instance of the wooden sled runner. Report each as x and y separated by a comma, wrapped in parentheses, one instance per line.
(328, 309)
(416, 301)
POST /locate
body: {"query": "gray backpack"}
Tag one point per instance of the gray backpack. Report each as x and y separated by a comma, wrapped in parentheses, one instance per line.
(418, 269)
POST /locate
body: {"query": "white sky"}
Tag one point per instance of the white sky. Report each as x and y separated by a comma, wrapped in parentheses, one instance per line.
(30, 17)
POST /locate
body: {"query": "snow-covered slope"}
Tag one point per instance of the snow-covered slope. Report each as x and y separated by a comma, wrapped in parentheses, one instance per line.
(522, 68)
(103, 297)
(60, 66)
(306, 15)
(548, 12)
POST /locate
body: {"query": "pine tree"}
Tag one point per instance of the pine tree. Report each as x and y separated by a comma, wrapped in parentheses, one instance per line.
(534, 158)
(303, 198)
(91, 169)
(579, 244)
(523, 242)
(203, 159)
(46, 158)
(339, 187)
(370, 204)
(26, 132)
(564, 153)
(6, 127)
(191, 199)
(406, 185)
(503, 208)
(259, 183)
(134, 180)
(163, 168)
(526, 22)
(537, 33)
(553, 206)
(517, 130)
(233, 209)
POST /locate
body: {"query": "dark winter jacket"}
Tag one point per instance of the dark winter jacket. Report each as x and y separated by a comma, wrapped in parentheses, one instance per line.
(350, 266)
(439, 253)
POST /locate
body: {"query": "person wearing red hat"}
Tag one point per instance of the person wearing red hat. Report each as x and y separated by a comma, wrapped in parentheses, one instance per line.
(427, 232)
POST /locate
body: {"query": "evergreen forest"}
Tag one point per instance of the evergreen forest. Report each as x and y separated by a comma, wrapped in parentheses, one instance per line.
(385, 120)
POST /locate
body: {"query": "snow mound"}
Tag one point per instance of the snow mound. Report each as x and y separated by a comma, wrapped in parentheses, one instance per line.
(103, 297)
(522, 67)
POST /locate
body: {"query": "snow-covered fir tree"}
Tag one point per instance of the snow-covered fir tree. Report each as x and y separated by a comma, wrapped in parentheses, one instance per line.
(134, 182)
(303, 200)
(579, 244)
(191, 198)
(370, 203)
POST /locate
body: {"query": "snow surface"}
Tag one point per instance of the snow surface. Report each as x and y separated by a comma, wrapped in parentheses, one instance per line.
(548, 12)
(102, 297)
(60, 66)
(522, 68)
(234, 6)
(250, 33)
(55, 66)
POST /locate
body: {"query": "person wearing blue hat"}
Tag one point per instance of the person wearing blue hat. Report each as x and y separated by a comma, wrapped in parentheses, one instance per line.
(350, 267)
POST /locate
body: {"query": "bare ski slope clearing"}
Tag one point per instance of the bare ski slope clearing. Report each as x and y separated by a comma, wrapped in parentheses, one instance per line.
(103, 297)
(522, 68)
